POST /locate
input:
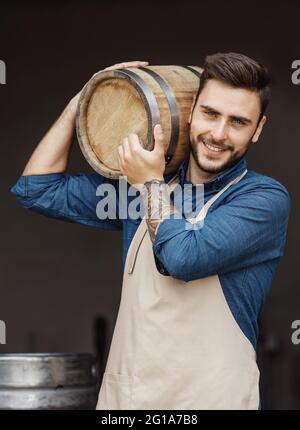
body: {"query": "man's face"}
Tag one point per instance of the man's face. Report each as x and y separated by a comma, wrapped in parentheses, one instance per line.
(223, 125)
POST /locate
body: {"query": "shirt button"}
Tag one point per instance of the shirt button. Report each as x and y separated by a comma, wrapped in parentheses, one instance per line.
(162, 270)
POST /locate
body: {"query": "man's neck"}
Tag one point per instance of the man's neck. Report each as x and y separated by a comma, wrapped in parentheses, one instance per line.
(197, 175)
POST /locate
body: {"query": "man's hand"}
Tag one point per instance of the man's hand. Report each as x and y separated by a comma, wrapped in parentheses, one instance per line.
(139, 164)
(125, 65)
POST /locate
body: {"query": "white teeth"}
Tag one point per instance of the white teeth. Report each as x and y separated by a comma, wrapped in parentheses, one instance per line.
(213, 148)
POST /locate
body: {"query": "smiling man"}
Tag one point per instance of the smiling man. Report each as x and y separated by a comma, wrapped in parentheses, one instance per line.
(225, 124)
(187, 327)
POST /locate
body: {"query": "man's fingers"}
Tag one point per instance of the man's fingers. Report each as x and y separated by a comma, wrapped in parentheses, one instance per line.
(121, 157)
(159, 138)
(134, 143)
(127, 64)
(136, 63)
(133, 63)
(121, 154)
(126, 148)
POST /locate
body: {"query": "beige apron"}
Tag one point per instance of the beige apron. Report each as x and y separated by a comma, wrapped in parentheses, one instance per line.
(176, 344)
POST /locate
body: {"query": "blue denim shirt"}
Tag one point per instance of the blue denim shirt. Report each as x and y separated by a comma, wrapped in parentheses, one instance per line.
(242, 239)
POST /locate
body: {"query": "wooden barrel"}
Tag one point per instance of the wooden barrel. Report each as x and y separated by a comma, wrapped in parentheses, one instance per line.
(115, 103)
(48, 381)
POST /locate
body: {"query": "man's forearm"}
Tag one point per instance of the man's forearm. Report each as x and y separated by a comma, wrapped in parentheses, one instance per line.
(158, 206)
(52, 153)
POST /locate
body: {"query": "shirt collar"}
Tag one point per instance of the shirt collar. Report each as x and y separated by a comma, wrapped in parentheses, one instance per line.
(218, 181)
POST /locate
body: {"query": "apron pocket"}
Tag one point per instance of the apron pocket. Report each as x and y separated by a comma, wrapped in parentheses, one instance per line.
(115, 391)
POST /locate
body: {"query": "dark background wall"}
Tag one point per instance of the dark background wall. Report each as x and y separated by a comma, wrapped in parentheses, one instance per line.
(56, 278)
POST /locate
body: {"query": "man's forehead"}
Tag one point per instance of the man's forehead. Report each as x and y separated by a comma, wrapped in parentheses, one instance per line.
(229, 100)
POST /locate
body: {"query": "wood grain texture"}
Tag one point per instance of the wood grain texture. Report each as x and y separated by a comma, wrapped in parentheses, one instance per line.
(112, 105)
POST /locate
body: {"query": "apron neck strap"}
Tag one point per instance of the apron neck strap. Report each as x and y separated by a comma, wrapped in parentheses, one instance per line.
(202, 214)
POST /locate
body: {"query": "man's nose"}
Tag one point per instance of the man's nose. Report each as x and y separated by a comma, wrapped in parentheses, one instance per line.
(219, 131)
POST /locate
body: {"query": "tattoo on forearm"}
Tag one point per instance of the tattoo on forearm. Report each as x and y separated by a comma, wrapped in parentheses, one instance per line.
(158, 206)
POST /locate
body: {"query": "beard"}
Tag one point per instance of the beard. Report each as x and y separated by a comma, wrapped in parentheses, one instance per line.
(211, 165)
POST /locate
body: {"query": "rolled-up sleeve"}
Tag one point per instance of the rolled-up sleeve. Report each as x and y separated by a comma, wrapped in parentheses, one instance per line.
(67, 197)
(250, 228)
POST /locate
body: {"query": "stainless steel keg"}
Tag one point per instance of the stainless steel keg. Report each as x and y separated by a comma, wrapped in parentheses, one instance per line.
(48, 381)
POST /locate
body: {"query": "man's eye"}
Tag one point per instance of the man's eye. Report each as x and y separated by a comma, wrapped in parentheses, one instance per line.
(237, 121)
(210, 113)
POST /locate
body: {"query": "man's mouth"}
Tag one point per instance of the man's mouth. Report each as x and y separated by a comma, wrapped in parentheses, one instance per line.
(213, 148)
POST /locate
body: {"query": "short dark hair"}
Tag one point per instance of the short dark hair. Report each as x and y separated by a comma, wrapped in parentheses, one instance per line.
(239, 71)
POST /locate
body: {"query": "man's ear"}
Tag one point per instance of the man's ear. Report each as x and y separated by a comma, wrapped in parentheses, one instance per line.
(192, 107)
(259, 129)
